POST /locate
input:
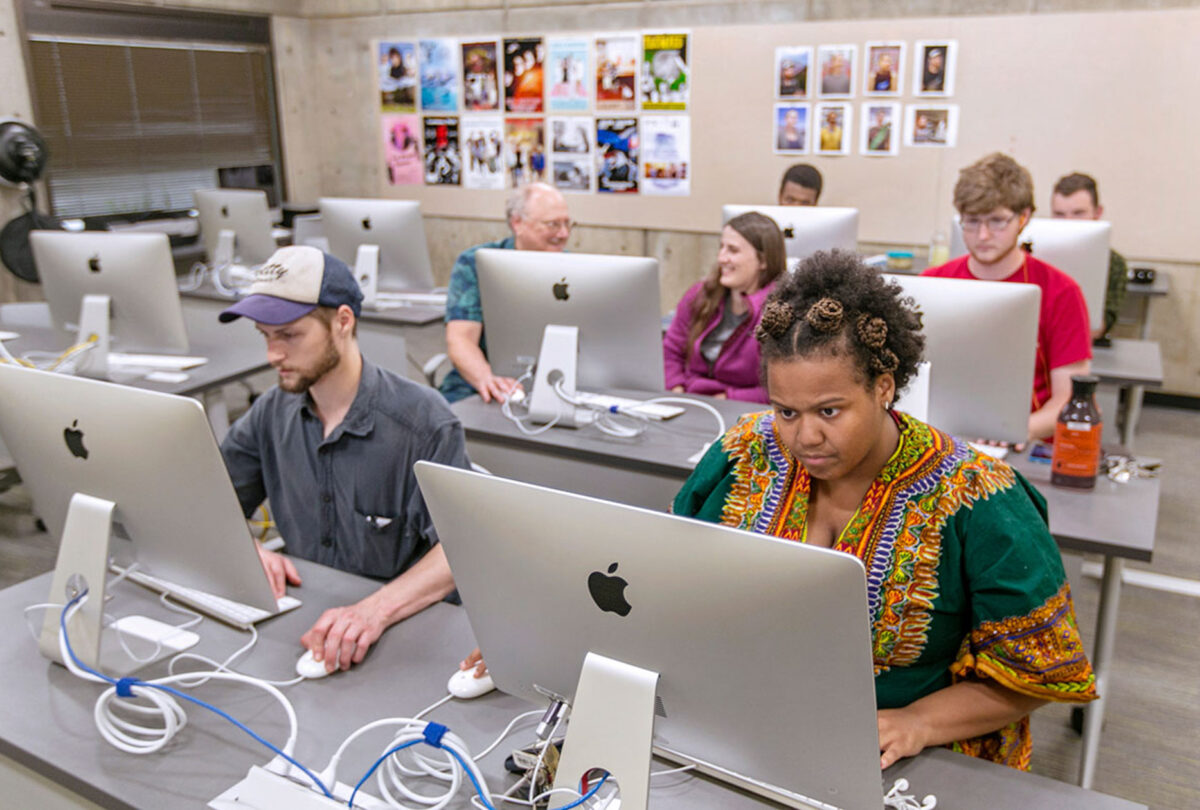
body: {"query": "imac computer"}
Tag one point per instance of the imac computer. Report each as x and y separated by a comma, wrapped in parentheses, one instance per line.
(610, 304)
(981, 344)
(126, 475)
(130, 278)
(743, 654)
(235, 226)
(383, 240)
(806, 228)
(1080, 248)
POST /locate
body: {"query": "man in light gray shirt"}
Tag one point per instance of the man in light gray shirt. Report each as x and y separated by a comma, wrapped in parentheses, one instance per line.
(333, 446)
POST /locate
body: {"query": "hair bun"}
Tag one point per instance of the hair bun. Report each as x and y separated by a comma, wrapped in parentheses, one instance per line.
(825, 315)
(885, 361)
(777, 319)
(872, 331)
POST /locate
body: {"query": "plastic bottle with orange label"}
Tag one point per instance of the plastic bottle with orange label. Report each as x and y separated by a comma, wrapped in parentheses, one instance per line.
(1076, 458)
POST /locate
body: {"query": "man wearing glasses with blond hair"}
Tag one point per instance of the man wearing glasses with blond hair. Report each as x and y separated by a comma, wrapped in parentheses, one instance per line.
(537, 216)
(994, 198)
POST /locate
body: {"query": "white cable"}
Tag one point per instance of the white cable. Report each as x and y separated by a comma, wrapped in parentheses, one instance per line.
(537, 768)
(695, 402)
(519, 421)
(135, 737)
(606, 420)
(195, 278)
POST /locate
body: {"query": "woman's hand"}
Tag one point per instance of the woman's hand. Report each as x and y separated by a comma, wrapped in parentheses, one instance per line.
(901, 734)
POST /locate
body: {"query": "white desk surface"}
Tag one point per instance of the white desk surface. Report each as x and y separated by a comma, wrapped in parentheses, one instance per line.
(46, 725)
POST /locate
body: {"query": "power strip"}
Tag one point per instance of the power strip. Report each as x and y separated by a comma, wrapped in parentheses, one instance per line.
(263, 790)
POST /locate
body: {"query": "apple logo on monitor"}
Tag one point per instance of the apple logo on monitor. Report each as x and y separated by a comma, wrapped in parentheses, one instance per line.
(225, 210)
(74, 439)
(366, 223)
(789, 232)
(608, 592)
(94, 263)
(560, 290)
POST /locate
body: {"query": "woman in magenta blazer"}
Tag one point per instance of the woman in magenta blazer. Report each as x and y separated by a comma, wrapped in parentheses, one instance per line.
(710, 346)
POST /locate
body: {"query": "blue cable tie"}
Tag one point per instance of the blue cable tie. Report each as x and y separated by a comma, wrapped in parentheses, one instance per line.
(613, 409)
(434, 733)
(123, 687)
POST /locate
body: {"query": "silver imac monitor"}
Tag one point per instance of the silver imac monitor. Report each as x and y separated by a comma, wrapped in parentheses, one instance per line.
(1080, 248)
(981, 344)
(613, 300)
(134, 270)
(394, 225)
(154, 456)
(806, 228)
(245, 213)
(762, 647)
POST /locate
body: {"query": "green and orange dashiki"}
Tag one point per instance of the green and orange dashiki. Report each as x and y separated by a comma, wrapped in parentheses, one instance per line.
(963, 577)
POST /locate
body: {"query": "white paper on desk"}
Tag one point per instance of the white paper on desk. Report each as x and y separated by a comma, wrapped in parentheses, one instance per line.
(170, 377)
(168, 362)
(9, 336)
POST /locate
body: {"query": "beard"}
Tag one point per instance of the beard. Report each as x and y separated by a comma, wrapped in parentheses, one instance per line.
(326, 363)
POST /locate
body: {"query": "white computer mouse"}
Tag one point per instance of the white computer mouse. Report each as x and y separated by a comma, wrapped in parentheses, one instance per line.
(310, 667)
(463, 684)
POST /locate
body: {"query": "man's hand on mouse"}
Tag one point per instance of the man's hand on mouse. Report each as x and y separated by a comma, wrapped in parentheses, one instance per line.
(342, 636)
(475, 661)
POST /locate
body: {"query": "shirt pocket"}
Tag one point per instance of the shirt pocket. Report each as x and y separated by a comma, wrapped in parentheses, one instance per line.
(379, 545)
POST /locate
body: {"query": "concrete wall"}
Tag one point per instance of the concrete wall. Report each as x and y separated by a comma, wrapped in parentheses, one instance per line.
(320, 46)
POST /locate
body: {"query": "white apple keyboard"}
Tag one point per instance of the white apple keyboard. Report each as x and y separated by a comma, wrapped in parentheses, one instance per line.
(166, 362)
(650, 410)
(391, 300)
(225, 610)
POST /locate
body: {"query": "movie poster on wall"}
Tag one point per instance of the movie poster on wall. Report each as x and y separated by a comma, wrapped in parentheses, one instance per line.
(616, 69)
(481, 87)
(931, 125)
(792, 65)
(525, 150)
(792, 126)
(439, 75)
(443, 164)
(666, 154)
(835, 70)
(524, 59)
(883, 69)
(665, 74)
(567, 63)
(397, 77)
(617, 150)
(402, 150)
(571, 153)
(934, 66)
(483, 151)
(834, 123)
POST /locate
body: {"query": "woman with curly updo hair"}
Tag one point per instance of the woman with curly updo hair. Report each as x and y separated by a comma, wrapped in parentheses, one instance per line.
(972, 624)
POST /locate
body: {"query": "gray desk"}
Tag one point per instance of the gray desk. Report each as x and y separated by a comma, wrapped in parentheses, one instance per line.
(1143, 294)
(403, 316)
(1117, 521)
(52, 756)
(1132, 364)
(652, 465)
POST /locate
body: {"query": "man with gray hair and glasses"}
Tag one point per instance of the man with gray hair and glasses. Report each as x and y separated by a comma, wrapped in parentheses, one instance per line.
(537, 216)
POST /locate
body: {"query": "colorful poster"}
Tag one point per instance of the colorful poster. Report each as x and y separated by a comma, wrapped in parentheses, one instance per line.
(835, 123)
(524, 59)
(791, 71)
(617, 155)
(480, 85)
(439, 75)
(571, 153)
(665, 73)
(884, 73)
(567, 61)
(931, 125)
(402, 150)
(483, 151)
(666, 154)
(880, 129)
(933, 67)
(397, 77)
(835, 70)
(525, 150)
(443, 165)
(791, 128)
(616, 73)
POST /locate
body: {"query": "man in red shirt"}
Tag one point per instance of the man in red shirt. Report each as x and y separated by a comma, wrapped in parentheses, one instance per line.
(994, 198)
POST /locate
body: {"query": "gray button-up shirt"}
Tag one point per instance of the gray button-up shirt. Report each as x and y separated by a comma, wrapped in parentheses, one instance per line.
(349, 501)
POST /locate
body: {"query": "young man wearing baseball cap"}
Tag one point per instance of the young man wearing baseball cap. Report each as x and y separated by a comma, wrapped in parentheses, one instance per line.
(332, 446)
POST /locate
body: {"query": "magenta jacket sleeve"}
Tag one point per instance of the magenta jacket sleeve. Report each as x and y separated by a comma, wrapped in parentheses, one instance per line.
(675, 340)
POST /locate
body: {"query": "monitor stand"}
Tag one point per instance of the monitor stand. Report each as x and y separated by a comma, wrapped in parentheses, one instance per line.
(94, 325)
(557, 363)
(611, 728)
(366, 272)
(83, 565)
(226, 245)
